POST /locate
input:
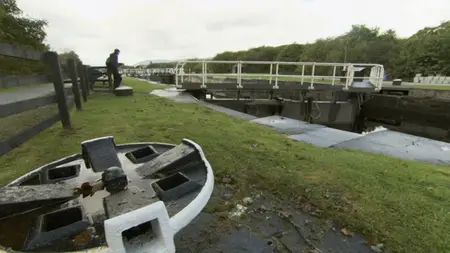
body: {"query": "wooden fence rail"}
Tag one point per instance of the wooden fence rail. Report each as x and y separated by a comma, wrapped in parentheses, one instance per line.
(63, 96)
(10, 81)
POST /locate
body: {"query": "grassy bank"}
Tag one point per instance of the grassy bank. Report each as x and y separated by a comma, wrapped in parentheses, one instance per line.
(12, 125)
(430, 87)
(12, 89)
(142, 86)
(404, 204)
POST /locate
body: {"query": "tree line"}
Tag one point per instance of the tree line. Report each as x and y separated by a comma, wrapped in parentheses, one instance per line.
(426, 52)
(17, 29)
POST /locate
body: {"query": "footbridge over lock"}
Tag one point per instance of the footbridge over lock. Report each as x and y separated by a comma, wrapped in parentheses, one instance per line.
(347, 96)
(322, 93)
(310, 76)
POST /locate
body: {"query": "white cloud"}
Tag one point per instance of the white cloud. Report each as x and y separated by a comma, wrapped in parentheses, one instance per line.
(173, 29)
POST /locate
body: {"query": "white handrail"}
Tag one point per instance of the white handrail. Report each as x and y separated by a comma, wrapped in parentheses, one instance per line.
(375, 79)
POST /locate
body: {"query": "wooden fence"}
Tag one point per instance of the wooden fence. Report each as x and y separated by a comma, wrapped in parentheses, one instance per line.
(64, 97)
(101, 74)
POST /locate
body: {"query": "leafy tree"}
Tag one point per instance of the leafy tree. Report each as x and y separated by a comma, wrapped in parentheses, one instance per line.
(426, 52)
(19, 30)
(70, 55)
(66, 56)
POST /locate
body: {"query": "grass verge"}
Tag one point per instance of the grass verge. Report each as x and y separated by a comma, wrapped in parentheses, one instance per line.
(430, 87)
(421, 87)
(403, 203)
(142, 86)
(14, 124)
(12, 89)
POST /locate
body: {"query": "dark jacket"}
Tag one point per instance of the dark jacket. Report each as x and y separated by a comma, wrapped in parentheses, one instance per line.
(112, 61)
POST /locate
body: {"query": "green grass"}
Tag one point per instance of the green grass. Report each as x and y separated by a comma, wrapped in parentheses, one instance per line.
(11, 125)
(12, 89)
(423, 87)
(404, 204)
(430, 87)
(141, 86)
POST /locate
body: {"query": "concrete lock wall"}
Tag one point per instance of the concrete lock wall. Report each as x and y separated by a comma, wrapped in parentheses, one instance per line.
(323, 112)
(428, 93)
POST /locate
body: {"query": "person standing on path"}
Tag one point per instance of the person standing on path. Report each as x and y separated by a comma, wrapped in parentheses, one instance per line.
(112, 65)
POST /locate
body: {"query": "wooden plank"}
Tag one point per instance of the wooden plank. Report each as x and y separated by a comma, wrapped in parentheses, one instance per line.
(17, 81)
(129, 200)
(20, 52)
(83, 82)
(25, 105)
(28, 193)
(75, 87)
(18, 199)
(110, 81)
(61, 98)
(88, 78)
(173, 158)
(20, 138)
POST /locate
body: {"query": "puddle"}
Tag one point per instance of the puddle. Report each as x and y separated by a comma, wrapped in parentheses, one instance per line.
(268, 225)
(175, 95)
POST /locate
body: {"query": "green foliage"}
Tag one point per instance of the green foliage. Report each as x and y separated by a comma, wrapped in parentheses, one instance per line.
(426, 52)
(24, 31)
(69, 55)
(66, 56)
(19, 30)
(14, 66)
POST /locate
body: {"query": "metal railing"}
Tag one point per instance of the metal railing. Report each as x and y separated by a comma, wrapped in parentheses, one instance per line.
(375, 79)
(147, 71)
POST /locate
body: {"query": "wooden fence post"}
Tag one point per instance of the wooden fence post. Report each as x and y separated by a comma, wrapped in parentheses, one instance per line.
(75, 86)
(58, 83)
(84, 90)
(89, 77)
(110, 80)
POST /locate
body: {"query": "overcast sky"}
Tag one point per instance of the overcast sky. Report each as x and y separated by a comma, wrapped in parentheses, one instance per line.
(177, 29)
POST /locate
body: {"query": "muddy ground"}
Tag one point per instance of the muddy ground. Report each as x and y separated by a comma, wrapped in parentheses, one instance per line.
(260, 223)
